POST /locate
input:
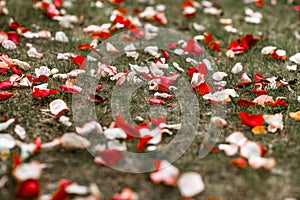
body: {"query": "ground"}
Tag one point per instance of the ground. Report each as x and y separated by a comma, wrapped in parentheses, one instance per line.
(222, 180)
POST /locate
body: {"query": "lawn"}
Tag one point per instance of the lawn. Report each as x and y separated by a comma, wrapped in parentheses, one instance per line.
(223, 179)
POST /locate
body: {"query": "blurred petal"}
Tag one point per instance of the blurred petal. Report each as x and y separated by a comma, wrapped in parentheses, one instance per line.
(190, 184)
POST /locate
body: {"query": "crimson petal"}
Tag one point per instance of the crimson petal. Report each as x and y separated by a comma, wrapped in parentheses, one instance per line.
(251, 120)
(5, 95)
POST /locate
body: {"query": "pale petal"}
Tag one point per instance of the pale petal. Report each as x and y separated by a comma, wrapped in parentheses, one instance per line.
(190, 184)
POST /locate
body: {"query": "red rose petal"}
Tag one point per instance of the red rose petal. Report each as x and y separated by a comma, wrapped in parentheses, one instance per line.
(61, 193)
(259, 92)
(156, 101)
(157, 121)
(38, 145)
(245, 103)
(16, 161)
(202, 69)
(240, 162)
(5, 95)
(5, 85)
(79, 61)
(130, 131)
(204, 88)
(143, 142)
(192, 47)
(110, 156)
(13, 36)
(101, 35)
(117, 2)
(165, 54)
(191, 71)
(251, 120)
(37, 93)
(85, 47)
(28, 189)
(15, 70)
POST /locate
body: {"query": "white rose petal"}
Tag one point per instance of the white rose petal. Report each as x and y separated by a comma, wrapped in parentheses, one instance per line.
(268, 49)
(5, 125)
(292, 67)
(229, 149)
(295, 58)
(72, 140)
(237, 138)
(26, 171)
(89, 127)
(61, 37)
(237, 68)
(74, 188)
(6, 142)
(218, 76)
(32, 52)
(113, 133)
(43, 70)
(190, 184)
(20, 131)
(57, 106)
(9, 45)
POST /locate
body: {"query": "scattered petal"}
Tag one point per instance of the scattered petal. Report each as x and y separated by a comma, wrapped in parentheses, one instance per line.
(295, 115)
(251, 120)
(20, 131)
(5, 125)
(58, 107)
(165, 173)
(190, 184)
(6, 142)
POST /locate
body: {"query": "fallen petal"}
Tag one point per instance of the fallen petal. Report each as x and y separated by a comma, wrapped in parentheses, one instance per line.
(190, 184)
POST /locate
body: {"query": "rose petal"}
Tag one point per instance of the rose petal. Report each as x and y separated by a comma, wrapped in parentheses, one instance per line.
(165, 173)
(9, 45)
(237, 68)
(29, 188)
(58, 107)
(108, 157)
(89, 127)
(251, 150)
(190, 184)
(240, 162)
(295, 115)
(258, 162)
(61, 37)
(229, 149)
(6, 142)
(72, 140)
(114, 133)
(5, 96)
(237, 138)
(20, 131)
(251, 120)
(5, 125)
(32, 170)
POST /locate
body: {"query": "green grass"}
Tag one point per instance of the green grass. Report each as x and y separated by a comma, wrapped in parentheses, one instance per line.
(221, 179)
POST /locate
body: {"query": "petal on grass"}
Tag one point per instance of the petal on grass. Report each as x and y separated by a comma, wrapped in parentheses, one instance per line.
(295, 115)
(190, 184)
(165, 173)
(58, 107)
(239, 162)
(5, 96)
(5, 125)
(7, 142)
(28, 189)
(229, 149)
(108, 157)
(251, 120)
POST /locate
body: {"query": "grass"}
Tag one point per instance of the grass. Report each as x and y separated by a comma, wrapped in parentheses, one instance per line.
(221, 179)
